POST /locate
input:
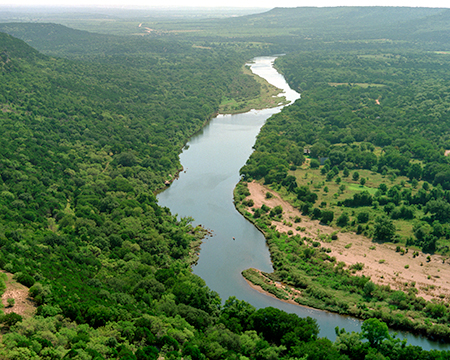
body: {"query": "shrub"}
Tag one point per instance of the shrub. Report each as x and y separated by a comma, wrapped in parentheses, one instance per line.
(343, 220)
(358, 266)
(327, 216)
(25, 279)
(363, 217)
(314, 164)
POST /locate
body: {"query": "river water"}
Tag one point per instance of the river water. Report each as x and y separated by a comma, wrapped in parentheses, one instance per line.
(204, 190)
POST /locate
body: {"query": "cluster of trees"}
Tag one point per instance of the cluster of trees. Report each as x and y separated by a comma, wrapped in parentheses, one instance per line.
(384, 113)
(324, 283)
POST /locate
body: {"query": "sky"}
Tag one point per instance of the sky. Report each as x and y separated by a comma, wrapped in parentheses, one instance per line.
(223, 3)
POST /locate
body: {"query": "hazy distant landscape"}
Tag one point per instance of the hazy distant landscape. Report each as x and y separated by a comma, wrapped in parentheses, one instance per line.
(350, 185)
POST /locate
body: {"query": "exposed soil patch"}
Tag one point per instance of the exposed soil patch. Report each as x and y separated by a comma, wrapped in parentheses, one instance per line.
(381, 262)
(23, 306)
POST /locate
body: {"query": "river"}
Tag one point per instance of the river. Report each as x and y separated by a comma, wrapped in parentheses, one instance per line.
(204, 190)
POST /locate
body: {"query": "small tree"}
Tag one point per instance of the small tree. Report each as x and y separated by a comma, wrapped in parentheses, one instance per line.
(314, 164)
(375, 331)
(362, 181)
(10, 302)
(355, 176)
(363, 217)
(384, 229)
(327, 216)
(343, 219)
(369, 288)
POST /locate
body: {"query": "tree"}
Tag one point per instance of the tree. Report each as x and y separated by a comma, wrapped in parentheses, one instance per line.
(362, 181)
(369, 288)
(363, 217)
(327, 216)
(384, 229)
(355, 176)
(342, 220)
(314, 164)
(318, 149)
(415, 171)
(440, 210)
(375, 331)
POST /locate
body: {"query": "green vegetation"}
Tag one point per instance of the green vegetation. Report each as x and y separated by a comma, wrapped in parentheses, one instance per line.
(92, 126)
(391, 169)
(313, 278)
(369, 159)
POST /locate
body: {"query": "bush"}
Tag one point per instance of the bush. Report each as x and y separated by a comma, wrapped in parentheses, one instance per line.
(384, 229)
(277, 210)
(363, 217)
(10, 319)
(327, 216)
(342, 220)
(25, 280)
(317, 213)
(314, 164)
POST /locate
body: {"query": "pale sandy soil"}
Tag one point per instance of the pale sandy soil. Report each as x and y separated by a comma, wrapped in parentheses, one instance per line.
(294, 293)
(447, 153)
(23, 306)
(392, 271)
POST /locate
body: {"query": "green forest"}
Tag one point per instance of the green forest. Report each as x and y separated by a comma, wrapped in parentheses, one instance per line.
(92, 127)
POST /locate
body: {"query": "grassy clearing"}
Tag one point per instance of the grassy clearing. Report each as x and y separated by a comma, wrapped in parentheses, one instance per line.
(363, 85)
(331, 192)
(267, 98)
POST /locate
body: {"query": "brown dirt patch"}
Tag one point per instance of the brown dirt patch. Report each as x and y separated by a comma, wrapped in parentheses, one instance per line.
(294, 292)
(23, 306)
(431, 278)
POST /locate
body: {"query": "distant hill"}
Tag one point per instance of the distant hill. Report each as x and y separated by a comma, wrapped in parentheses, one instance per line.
(353, 23)
(55, 39)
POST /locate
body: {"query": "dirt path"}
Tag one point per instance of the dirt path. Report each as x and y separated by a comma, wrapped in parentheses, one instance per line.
(381, 262)
(23, 306)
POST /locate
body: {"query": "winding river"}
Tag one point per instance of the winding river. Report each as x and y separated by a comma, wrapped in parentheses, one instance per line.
(204, 191)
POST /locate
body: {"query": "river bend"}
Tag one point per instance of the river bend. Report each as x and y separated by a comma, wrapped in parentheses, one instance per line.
(204, 191)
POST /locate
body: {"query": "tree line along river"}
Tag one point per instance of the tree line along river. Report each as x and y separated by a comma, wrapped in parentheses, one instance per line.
(204, 191)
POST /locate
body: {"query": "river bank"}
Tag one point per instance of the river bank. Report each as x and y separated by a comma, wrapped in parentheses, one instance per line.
(430, 276)
(347, 258)
(204, 191)
(269, 97)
